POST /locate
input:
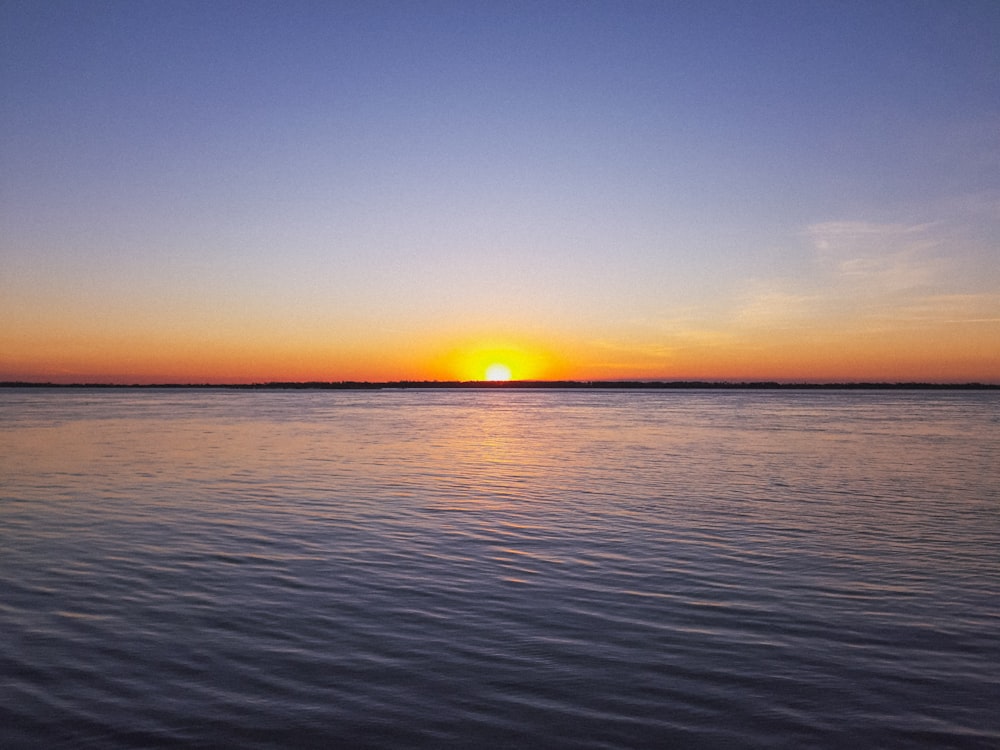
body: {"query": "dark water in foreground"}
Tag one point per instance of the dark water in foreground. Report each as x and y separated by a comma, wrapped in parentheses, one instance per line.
(499, 569)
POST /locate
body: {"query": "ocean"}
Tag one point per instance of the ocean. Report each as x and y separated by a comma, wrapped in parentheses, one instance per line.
(203, 568)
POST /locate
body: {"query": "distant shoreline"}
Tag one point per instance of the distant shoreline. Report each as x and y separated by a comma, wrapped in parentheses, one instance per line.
(524, 385)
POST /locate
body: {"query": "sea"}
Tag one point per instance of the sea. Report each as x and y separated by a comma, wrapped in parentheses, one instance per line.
(499, 568)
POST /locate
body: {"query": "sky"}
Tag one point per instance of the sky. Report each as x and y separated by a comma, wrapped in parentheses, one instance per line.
(260, 191)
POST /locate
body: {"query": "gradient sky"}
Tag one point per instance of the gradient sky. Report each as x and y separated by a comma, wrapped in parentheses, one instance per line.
(213, 191)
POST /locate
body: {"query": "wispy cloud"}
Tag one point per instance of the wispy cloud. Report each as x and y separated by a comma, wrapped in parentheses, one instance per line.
(860, 257)
(887, 275)
(951, 309)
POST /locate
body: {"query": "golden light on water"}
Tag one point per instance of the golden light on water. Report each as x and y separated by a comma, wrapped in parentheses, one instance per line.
(498, 372)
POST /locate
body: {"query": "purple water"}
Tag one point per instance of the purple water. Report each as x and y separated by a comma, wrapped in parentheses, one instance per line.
(499, 568)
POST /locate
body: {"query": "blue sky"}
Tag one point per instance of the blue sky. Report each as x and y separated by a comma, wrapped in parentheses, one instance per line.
(209, 190)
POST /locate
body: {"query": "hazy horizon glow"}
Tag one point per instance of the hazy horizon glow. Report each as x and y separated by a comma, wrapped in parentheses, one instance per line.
(247, 192)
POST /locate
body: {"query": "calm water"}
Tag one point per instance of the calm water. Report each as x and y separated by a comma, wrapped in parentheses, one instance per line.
(499, 569)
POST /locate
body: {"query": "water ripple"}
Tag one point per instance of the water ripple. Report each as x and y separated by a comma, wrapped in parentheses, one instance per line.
(498, 569)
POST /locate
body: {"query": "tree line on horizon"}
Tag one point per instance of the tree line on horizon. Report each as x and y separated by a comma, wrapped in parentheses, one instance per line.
(527, 384)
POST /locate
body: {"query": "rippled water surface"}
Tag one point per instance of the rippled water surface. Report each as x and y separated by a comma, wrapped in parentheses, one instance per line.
(499, 568)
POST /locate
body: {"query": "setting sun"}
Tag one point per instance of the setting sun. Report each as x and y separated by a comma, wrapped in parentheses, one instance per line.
(497, 371)
(496, 360)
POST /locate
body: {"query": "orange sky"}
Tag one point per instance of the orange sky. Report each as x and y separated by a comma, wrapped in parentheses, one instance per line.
(913, 355)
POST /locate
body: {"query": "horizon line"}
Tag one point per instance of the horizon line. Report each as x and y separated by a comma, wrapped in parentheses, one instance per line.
(627, 384)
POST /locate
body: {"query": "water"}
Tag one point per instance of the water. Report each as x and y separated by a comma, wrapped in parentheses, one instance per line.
(499, 568)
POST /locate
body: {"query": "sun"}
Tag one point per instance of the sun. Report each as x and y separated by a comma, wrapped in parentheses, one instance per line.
(497, 372)
(495, 361)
